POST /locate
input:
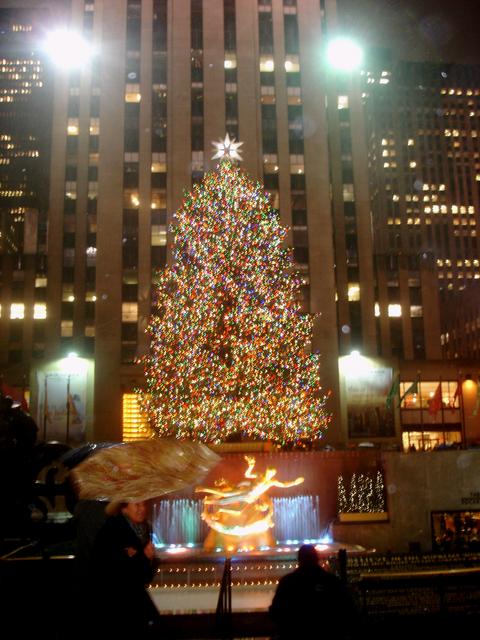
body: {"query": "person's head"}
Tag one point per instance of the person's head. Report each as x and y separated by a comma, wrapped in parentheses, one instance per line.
(307, 556)
(136, 512)
(6, 403)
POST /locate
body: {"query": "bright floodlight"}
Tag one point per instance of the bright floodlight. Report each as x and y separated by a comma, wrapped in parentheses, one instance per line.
(68, 49)
(345, 54)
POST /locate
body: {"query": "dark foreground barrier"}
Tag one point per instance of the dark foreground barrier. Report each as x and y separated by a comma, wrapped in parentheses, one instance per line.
(40, 599)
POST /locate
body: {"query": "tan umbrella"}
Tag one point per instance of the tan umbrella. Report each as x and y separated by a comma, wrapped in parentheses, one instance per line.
(136, 471)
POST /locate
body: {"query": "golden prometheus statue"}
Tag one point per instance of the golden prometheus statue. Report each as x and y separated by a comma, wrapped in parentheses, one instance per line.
(240, 516)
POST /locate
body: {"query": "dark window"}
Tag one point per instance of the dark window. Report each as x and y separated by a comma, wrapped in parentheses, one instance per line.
(159, 180)
(231, 105)
(132, 70)
(159, 68)
(71, 173)
(73, 106)
(197, 135)
(93, 144)
(94, 106)
(93, 174)
(69, 240)
(229, 25)
(291, 33)
(297, 182)
(129, 331)
(130, 292)
(134, 12)
(265, 29)
(300, 255)
(159, 257)
(72, 145)
(160, 25)
(196, 24)
(299, 218)
(269, 128)
(270, 181)
(197, 102)
(130, 175)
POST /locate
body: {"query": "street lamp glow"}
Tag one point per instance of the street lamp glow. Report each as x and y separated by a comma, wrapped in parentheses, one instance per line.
(68, 49)
(344, 54)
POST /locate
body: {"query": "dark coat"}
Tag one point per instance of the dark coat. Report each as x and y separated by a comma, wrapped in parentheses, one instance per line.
(111, 558)
(119, 579)
(311, 603)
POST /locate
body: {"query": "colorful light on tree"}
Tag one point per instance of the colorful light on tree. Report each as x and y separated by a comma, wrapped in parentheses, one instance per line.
(228, 342)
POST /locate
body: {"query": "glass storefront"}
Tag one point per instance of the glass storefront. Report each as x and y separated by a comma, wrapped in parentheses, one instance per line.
(455, 530)
(430, 414)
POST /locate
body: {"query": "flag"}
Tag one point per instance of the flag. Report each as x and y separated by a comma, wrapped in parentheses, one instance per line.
(457, 394)
(435, 403)
(413, 388)
(72, 409)
(394, 391)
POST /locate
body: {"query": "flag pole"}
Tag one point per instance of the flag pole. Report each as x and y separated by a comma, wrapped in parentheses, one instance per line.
(419, 375)
(462, 410)
(67, 435)
(442, 411)
(45, 408)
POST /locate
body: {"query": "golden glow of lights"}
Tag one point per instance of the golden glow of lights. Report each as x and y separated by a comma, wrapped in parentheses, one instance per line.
(243, 510)
(134, 425)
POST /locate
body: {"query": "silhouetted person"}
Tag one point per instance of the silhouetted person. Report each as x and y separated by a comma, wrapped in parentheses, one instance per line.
(18, 434)
(311, 602)
(122, 565)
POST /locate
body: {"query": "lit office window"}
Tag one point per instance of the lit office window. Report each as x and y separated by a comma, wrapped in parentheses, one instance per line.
(94, 126)
(394, 311)
(158, 199)
(159, 163)
(39, 311)
(132, 93)
(17, 311)
(266, 63)
(348, 193)
(129, 312)
(292, 64)
(353, 292)
(72, 126)
(230, 61)
(66, 328)
(159, 235)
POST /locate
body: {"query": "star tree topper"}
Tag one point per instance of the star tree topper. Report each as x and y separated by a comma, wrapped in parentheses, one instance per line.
(227, 149)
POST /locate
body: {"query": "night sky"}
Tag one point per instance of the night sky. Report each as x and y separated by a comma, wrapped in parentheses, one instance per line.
(437, 30)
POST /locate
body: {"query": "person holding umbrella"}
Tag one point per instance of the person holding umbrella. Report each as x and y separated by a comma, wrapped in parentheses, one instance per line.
(122, 566)
(122, 561)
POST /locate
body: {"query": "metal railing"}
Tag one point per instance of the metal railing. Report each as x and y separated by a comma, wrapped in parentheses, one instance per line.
(223, 614)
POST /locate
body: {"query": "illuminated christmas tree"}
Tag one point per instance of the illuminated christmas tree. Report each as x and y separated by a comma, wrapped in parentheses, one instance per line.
(229, 344)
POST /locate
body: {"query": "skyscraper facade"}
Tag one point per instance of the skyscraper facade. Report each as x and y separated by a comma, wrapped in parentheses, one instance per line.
(24, 162)
(374, 172)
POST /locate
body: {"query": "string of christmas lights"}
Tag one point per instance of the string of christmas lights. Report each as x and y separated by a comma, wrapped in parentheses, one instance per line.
(228, 342)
